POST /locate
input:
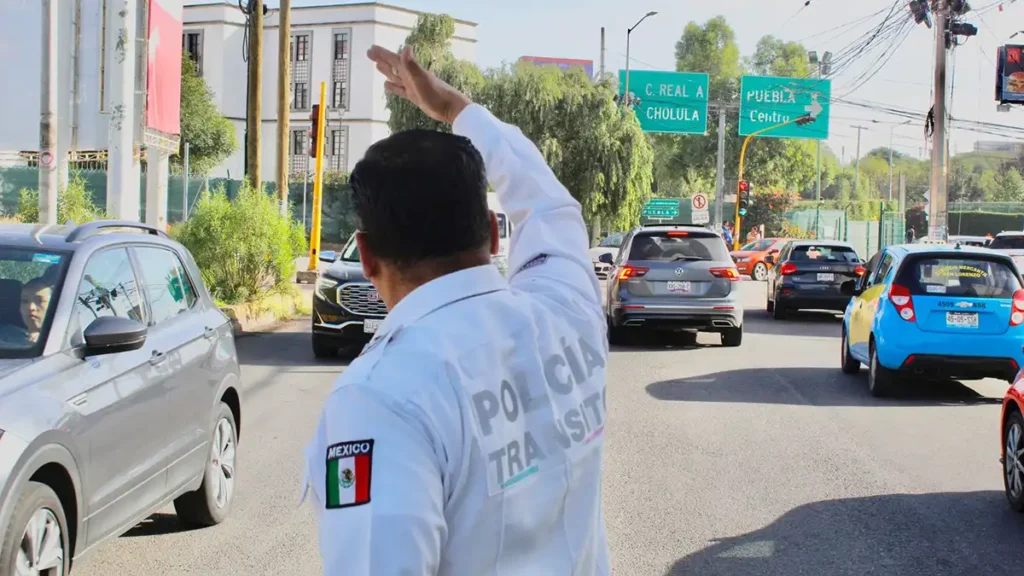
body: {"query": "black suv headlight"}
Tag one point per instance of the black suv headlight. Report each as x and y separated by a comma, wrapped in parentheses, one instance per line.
(324, 285)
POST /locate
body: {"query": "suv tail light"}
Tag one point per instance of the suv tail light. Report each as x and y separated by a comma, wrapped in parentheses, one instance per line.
(860, 270)
(730, 273)
(901, 299)
(1017, 312)
(628, 272)
(787, 269)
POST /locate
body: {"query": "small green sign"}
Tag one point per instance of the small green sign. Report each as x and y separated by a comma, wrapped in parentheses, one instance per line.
(669, 102)
(661, 208)
(769, 100)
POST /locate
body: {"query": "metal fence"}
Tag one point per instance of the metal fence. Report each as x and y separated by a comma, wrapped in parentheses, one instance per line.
(866, 236)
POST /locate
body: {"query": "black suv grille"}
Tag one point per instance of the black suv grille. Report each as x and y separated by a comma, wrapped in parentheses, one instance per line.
(361, 299)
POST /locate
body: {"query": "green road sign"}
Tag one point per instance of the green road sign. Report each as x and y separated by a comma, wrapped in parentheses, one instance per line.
(661, 207)
(769, 100)
(670, 102)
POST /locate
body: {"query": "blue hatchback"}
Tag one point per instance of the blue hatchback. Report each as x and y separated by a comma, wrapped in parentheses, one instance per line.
(936, 311)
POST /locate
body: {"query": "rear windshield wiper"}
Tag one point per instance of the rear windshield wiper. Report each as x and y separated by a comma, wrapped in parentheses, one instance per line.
(687, 258)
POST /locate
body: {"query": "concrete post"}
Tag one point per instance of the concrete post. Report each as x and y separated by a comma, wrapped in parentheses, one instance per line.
(123, 178)
(158, 169)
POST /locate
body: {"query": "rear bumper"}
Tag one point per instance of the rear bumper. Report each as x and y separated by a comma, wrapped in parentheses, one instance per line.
(968, 358)
(708, 316)
(960, 367)
(796, 296)
(745, 268)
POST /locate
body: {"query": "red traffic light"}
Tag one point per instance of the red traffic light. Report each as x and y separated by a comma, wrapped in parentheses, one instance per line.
(314, 117)
(744, 186)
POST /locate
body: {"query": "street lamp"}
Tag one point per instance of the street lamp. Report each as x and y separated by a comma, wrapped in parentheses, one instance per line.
(625, 94)
(891, 130)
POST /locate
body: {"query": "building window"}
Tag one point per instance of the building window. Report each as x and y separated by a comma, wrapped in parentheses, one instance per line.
(192, 44)
(340, 69)
(299, 154)
(338, 95)
(337, 152)
(300, 71)
(341, 46)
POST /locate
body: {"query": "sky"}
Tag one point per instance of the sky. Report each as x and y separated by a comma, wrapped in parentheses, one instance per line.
(571, 29)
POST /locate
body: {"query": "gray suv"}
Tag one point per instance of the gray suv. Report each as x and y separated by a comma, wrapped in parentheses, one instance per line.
(675, 278)
(118, 390)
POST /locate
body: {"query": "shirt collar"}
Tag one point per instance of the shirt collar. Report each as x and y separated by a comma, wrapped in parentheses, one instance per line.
(441, 292)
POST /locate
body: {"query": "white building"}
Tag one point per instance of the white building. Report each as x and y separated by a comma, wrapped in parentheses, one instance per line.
(328, 45)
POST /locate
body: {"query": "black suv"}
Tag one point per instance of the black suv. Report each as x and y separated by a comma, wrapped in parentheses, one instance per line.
(347, 309)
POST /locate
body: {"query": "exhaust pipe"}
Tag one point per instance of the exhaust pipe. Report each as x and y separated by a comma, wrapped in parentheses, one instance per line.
(721, 324)
(634, 323)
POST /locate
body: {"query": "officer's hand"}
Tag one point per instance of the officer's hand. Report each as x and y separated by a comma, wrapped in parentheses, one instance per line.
(407, 79)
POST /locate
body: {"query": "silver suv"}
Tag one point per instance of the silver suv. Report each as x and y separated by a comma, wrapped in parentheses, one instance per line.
(118, 390)
(677, 278)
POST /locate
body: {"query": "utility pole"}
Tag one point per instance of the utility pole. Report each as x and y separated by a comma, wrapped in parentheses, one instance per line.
(602, 51)
(122, 174)
(937, 193)
(48, 117)
(283, 81)
(255, 94)
(856, 170)
(720, 169)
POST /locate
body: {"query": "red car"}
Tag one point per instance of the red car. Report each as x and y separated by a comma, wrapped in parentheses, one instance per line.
(1013, 443)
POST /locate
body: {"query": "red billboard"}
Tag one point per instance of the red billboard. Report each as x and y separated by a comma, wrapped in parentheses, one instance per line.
(163, 68)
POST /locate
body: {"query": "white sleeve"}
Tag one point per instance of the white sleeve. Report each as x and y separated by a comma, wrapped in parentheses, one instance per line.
(377, 488)
(550, 242)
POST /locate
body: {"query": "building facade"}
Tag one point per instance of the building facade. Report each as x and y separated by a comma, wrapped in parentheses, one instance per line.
(328, 44)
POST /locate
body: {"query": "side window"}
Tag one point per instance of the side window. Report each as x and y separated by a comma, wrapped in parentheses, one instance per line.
(883, 269)
(872, 267)
(620, 258)
(108, 288)
(168, 288)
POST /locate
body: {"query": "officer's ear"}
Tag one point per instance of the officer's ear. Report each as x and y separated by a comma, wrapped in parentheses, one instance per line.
(495, 239)
(369, 260)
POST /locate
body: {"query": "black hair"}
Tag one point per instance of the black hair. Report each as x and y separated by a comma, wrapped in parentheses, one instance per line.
(420, 196)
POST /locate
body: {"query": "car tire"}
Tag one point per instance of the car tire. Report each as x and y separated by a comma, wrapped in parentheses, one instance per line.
(325, 346)
(211, 503)
(849, 364)
(760, 272)
(732, 337)
(617, 335)
(37, 503)
(1013, 460)
(778, 310)
(882, 381)
(770, 305)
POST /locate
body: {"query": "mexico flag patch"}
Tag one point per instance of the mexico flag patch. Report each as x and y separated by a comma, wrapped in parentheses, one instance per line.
(348, 473)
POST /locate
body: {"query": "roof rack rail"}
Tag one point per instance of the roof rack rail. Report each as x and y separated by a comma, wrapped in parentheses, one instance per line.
(92, 228)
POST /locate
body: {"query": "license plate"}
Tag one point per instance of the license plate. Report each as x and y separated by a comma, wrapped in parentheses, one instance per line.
(962, 319)
(826, 277)
(370, 326)
(680, 287)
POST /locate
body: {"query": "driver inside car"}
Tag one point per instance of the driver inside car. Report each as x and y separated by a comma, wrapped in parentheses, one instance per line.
(35, 300)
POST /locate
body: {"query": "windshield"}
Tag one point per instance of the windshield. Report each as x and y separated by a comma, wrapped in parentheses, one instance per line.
(1014, 242)
(758, 246)
(29, 284)
(969, 277)
(678, 246)
(613, 241)
(825, 254)
(350, 253)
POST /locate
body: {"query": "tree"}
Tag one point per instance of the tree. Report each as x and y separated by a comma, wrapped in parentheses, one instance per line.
(210, 136)
(430, 41)
(594, 148)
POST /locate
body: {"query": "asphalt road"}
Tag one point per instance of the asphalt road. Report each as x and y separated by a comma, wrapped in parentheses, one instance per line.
(762, 460)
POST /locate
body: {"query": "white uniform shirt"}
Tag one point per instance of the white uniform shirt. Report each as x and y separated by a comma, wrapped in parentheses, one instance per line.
(467, 438)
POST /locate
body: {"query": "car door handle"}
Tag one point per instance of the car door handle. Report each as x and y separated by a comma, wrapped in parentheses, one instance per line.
(157, 358)
(209, 333)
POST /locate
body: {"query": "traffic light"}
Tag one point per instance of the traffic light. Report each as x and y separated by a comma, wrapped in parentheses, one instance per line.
(314, 129)
(743, 197)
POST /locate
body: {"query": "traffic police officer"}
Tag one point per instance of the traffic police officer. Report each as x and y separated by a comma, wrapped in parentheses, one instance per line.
(468, 436)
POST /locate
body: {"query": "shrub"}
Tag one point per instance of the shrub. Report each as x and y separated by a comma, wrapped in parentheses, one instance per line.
(74, 204)
(244, 248)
